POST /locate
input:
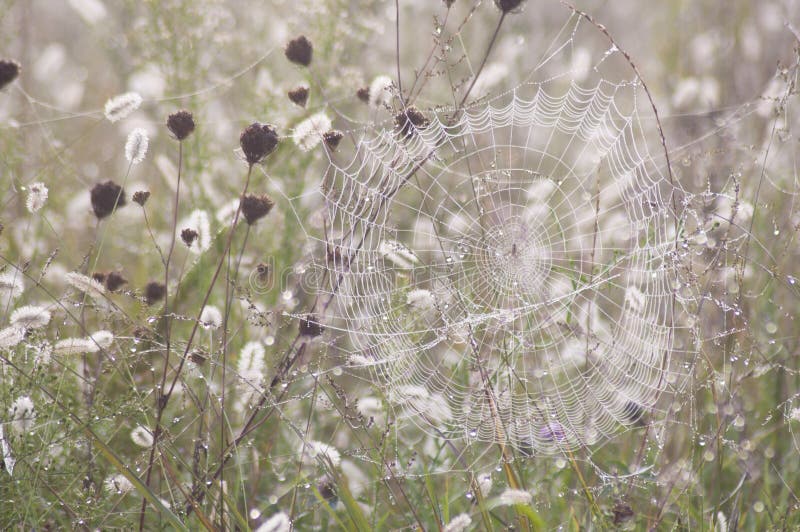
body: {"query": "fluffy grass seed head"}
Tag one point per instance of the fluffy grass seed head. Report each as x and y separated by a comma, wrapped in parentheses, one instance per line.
(211, 317)
(87, 285)
(37, 197)
(11, 336)
(308, 133)
(136, 146)
(122, 105)
(118, 484)
(380, 92)
(142, 437)
(279, 522)
(459, 523)
(75, 346)
(11, 286)
(22, 415)
(511, 497)
(30, 317)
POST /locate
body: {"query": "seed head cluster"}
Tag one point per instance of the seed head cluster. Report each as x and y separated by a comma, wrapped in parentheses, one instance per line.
(299, 51)
(257, 141)
(256, 207)
(141, 197)
(299, 96)
(180, 124)
(105, 197)
(506, 6)
(410, 120)
(9, 70)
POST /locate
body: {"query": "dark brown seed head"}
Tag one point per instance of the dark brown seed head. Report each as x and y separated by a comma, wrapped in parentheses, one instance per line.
(256, 207)
(310, 326)
(332, 138)
(197, 357)
(105, 197)
(141, 197)
(449, 3)
(299, 96)
(9, 70)
(154, 291)
(299, 51)
(507, 6)
(258, 141)
(114, 281)
(100, 277)
(180, 124)
(262, 270)
(188, 236)
(410, 120)
(622, 512)
(327, 489)
(363, 94)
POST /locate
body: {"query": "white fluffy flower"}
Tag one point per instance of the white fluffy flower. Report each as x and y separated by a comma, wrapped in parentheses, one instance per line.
(380, 91)
(11, 336)
(30, 317)
(459, 523)
(277, 523)
(37, 197)
(136, 146)
(142, 437)
(308, 133)
(510, 497)
(22, 415)
(211, 317)
(420, 299)
(251, 366)
(103, 339)
(118, 483)
(315, 449)
(122, 105)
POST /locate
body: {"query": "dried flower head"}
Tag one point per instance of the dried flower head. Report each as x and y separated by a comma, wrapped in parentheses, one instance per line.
(332, 138)
(410, 120)
(622, 512)
(106, 197)
(449, 3)
(189, 235)
(141, 197)
(30, 317)
(308, 133)
(363, 94)
(114, 281)
(299, 51)
(299, 96)
(327, 489)
(257, 141)
(507, 6)
(310, 326)
(136, 146)
(37, 196)
(180, 124)
(122, 105)
(9, 70)
(154, 291)
(256, 207)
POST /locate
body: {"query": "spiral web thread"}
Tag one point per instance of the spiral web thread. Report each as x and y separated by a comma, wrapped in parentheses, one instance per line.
(507, 276)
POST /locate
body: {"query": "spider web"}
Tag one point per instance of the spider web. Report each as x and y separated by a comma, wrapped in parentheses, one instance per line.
(507, 274)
